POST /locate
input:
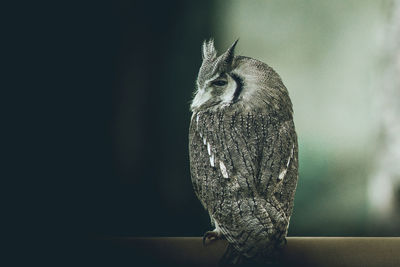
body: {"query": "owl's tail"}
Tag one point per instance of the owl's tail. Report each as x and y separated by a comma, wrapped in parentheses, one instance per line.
(231, 257)
(270, 258)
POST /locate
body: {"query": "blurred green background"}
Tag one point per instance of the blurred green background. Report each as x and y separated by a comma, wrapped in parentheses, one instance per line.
(329, 55)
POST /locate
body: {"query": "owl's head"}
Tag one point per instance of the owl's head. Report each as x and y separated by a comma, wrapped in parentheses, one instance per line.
(236, 81)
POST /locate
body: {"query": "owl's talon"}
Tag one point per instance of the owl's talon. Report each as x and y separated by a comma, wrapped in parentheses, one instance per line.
(210, 235)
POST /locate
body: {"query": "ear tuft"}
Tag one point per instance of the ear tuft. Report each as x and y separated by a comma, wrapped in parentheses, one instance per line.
(224, 61)
(208, 51)
(228, 56)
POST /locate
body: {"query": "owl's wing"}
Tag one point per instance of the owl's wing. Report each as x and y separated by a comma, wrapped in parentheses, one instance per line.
(243, 161)
(278, 165)
(260, 154)
(244, 171)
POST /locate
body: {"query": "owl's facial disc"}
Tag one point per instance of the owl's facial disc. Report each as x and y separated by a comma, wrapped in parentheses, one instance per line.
(219, 89)
(226, 95)
(215, 82)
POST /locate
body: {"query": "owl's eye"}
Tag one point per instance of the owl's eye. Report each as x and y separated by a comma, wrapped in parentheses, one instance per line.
(219, 83)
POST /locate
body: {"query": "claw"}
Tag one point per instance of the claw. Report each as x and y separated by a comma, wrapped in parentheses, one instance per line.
(210, 235)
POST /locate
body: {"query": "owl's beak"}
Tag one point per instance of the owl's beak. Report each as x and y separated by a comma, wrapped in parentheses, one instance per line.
(201, 97)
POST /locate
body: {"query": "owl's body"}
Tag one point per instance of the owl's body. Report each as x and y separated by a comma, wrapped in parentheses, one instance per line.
(243, 153)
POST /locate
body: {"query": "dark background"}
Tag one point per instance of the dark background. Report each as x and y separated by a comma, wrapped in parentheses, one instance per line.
(96, 129)
(125, 152)
(140, 184)
(96, 115)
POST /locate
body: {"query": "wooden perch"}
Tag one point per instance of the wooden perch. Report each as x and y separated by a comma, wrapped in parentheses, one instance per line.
(300, 251)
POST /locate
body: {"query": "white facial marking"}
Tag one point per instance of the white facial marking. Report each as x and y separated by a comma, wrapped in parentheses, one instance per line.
(204, 140)
(211, 79)
(229, 91)
(252, 80)
(201, 135)
(223, 169)
(202, 96)
(197, 121)
(212, 160)
(209, 148)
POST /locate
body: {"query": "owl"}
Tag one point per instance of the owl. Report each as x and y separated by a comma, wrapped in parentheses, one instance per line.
(243, 154)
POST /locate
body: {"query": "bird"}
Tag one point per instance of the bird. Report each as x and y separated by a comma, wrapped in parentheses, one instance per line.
(243, 154)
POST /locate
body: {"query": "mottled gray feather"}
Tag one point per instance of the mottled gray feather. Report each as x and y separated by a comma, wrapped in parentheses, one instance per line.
(243, 159)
